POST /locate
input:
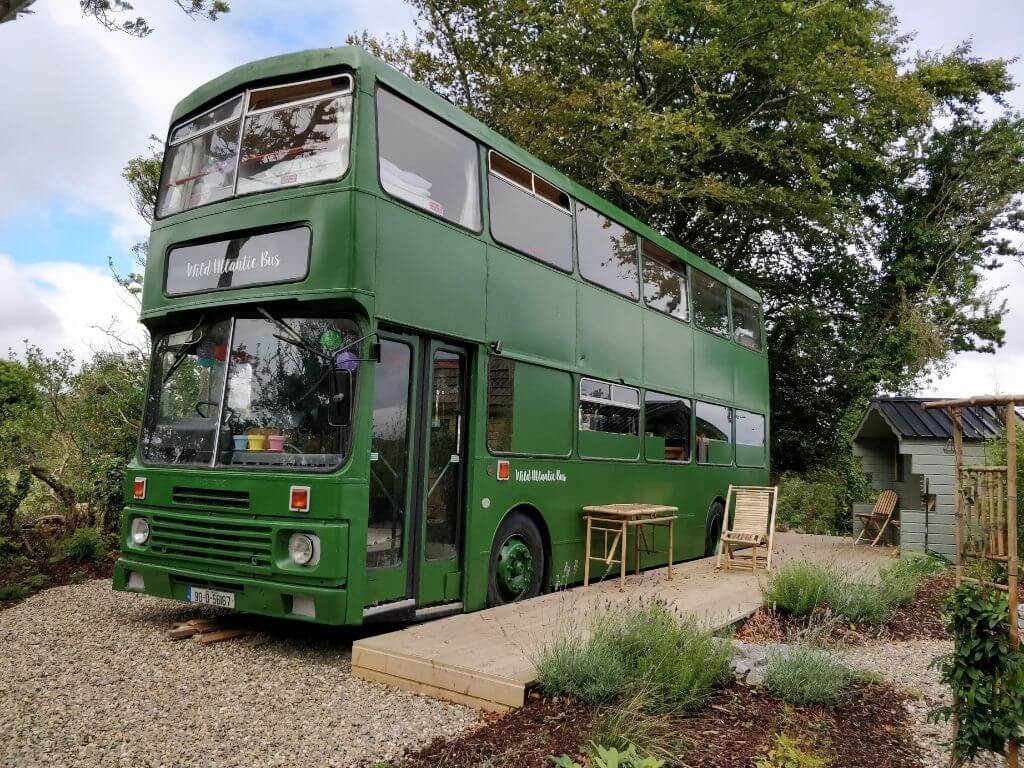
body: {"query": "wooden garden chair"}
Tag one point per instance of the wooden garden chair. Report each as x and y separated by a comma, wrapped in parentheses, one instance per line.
(749, 524)
(880, 517)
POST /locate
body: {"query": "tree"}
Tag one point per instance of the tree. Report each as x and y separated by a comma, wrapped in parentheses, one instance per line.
(111, 13)
(791, 142)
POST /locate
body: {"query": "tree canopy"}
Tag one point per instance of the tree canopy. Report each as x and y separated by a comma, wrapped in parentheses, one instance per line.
(794, 143)
(116, 15)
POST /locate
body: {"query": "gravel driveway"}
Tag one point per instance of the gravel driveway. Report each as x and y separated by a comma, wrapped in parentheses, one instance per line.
(87, 678)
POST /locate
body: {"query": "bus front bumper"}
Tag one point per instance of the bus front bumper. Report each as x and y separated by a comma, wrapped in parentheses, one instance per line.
(324, 605)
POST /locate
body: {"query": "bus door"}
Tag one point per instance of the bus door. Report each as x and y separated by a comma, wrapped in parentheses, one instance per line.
(417, 473)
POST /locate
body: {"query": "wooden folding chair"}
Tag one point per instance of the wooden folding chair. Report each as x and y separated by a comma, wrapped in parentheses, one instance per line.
(880, 517)
(749, 524)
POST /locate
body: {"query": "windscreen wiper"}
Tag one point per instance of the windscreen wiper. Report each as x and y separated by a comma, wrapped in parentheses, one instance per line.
(291, 336)
(183, 350)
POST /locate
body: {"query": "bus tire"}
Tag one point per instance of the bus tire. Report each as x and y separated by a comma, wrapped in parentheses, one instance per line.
(517, 561)
(715, 517)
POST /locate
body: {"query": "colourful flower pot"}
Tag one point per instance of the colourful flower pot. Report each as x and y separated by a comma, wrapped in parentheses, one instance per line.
(241, 442)
(276, 442)
(257, 442)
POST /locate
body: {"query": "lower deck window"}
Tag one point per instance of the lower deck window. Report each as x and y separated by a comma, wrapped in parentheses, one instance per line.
(529, 409)
(608, 407)
(667, 425)
(713, 428)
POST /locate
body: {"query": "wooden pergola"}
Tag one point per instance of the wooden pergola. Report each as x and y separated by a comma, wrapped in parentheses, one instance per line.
(986, 511)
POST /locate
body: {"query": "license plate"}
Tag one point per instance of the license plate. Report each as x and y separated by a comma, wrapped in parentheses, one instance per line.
(211, 597)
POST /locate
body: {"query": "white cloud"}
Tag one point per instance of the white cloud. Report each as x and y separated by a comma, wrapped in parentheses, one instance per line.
(62, 304)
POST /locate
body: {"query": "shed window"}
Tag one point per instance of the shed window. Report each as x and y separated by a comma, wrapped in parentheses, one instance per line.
(667, 426)
(746, 321)
(528, 213)
(427, 163)
(606, 407)
(665, 282)
(607, 253)
(713, 429)
(710, 304)
(529, 409)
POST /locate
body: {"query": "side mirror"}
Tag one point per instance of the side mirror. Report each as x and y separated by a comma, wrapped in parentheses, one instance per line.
(339, 409)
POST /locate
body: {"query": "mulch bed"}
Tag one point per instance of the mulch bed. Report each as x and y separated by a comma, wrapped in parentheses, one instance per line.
(919, 620)
(868, 728)
(58, 574)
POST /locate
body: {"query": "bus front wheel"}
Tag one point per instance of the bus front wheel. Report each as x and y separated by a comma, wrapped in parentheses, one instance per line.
(517, 561)
(715, 516)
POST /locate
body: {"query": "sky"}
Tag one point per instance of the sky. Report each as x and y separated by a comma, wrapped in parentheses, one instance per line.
(64, 208)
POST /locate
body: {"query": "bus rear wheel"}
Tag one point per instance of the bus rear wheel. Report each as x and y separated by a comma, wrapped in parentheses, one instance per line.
(517, 561)
(715, 516)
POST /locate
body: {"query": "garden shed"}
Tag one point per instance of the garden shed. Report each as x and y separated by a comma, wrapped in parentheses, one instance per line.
(908, 449)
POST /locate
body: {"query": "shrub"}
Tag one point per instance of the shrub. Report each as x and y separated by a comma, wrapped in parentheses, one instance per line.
(861, 603)
(625, 724)
(799, 587)
(14, 591)
(803, 675)
(819, 501)
(85, 545)
(610, 757)
(787, 752)
(640, 650)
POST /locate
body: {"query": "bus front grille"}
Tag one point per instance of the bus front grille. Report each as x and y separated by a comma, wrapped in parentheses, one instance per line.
(210, 497)
(212, 541)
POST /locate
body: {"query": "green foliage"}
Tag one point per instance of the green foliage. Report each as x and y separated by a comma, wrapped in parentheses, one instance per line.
(861, 603)
(798, 587)
(85, 545)
(801, 675)
(17, 388)
(611, 757)
(110, 14)
(798, 145)
(11, 496)
(639, 650)
(626, 723)
(984, 674)
(14, 591)
(788, 752)
(819, 501)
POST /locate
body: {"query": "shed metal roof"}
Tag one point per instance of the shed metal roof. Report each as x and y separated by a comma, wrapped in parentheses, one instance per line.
(908, 418)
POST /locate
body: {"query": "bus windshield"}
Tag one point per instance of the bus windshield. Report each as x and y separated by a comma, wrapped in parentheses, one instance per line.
(290, 134)
(252, 392)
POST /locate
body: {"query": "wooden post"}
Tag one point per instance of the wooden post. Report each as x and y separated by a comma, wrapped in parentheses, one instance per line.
(958, 451)
(1011, 545)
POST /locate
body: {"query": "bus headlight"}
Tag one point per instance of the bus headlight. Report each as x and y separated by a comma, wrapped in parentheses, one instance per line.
(140, 531)
(304, 548)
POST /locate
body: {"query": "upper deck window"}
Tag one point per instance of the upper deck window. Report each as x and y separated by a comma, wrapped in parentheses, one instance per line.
(293, 134)
(665, 282)
(746, 321)
(296, 134)
(710, 304)
(607, 253)
(427, 163)
(528, 213)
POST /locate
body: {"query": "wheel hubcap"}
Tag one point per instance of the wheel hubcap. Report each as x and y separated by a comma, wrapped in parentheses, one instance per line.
(515, 567)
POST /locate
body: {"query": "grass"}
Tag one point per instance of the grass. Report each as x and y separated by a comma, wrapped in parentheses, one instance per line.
(801, 675)
(799, 587)
(626, 723)
(636, 650)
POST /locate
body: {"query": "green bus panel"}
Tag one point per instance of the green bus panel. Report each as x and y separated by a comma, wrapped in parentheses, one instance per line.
(609, 334)
(668, 354)
(750, 374)
(713, 363)
(430, 276)
(750, 456)
(543, 418)
(606, 445)
(531, 308)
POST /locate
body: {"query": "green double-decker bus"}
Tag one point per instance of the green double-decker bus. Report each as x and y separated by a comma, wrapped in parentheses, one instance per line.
(394, 355)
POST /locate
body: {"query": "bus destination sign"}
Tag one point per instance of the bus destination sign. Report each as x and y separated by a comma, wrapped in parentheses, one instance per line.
(261, 259)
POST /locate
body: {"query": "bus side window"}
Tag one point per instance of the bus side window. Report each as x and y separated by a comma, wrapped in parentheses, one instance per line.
(710, 304)
(746, 321)
(750, 439)
(714, 434)
(427, 163)
(667, 426)
(607, 253)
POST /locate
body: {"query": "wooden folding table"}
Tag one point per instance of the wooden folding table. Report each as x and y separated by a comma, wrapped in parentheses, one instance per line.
(616, 520)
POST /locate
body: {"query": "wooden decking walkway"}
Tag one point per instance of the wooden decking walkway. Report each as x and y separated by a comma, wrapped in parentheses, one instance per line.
(485, 659)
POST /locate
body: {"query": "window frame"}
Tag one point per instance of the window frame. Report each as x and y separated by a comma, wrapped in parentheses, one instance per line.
(759, 318)
(728, 335)
(731, 410)
(487, 409)
(579, 261)
(684, 273)
(570, 211)
(693, 429)
(609, 401)
(411, 206)
(244, 113)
